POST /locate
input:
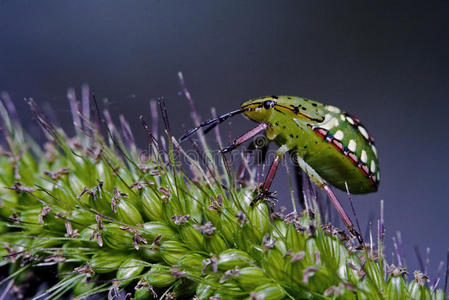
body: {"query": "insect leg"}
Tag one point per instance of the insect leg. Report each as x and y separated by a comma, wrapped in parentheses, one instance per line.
(323, 184)
(271, 173)
(299, 185)
(253, 150)
(246, 136)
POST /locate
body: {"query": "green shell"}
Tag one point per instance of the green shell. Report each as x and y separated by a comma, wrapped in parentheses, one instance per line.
(335, 144)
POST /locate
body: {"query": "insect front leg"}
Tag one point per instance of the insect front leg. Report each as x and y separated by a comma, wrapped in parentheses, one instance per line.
(319, 181)
(271, 173)
(246, 136)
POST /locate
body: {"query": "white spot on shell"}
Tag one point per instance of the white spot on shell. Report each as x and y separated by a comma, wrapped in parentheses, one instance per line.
(333, 109)
(350, 120)
(339, 135)
(378, 176)
(329, 122)
(364, 157)
(363, 132)
(342, 117)
(373, 166)
(352, 145)
(374, 150)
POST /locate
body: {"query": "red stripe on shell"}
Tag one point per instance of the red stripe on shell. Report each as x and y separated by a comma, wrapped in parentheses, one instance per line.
(365, 169)
(356, 120)
(353, 157)
(321, 131)
(338, 145)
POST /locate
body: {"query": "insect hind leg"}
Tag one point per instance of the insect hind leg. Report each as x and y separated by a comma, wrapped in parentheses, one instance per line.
(319, 181)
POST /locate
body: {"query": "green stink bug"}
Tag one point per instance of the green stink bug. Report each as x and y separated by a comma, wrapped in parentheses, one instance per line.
(331, 146)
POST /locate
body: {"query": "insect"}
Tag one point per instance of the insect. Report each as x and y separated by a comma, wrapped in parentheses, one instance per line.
(331, 146)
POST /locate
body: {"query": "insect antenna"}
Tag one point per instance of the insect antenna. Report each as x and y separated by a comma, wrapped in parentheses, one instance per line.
(211, 123)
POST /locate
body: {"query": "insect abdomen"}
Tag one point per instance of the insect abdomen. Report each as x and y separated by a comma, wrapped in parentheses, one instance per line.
(349, 153)
(338, 148)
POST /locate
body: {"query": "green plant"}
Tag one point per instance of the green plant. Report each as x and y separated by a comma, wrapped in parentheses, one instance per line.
(104, 217)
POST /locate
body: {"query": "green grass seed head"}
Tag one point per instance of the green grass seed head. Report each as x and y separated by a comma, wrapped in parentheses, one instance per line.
(108, 218)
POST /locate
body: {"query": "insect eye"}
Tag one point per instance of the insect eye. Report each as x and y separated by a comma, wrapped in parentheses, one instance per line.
(268, 104)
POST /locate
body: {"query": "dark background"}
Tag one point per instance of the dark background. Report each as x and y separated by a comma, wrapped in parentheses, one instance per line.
(387, 64)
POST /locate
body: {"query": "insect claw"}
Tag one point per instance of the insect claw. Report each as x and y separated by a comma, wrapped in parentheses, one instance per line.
(357, 235)
(255, 200)
(264, 195)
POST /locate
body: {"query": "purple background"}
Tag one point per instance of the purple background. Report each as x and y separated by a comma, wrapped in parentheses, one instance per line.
(386, 64)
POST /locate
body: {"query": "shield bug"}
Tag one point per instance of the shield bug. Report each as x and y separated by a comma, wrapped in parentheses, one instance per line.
(331, 146)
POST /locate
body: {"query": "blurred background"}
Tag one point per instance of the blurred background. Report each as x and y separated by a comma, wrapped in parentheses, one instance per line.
(386, 64)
